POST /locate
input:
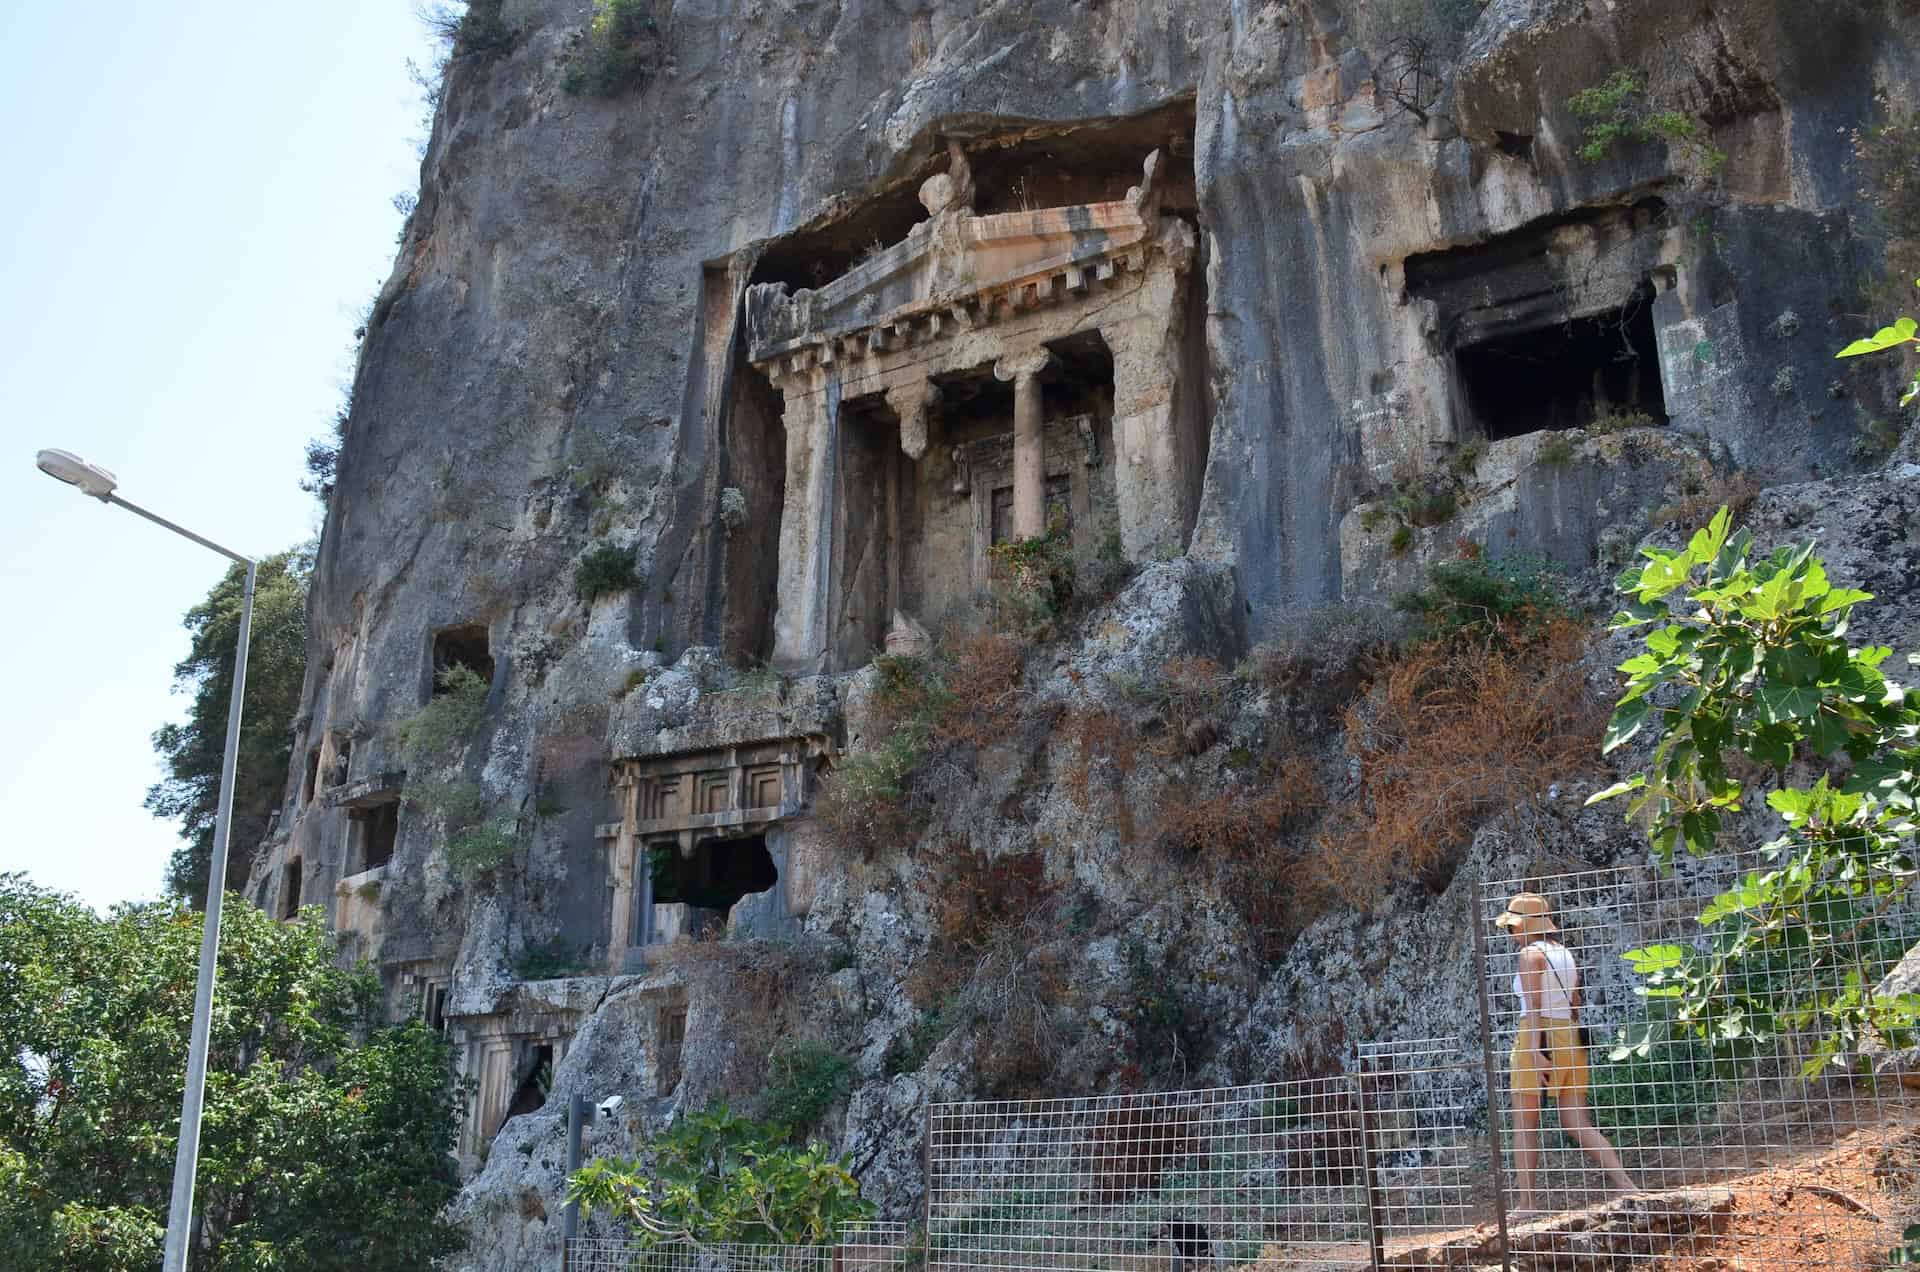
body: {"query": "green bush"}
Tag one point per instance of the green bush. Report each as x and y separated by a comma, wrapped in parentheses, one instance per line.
(1032, 583)
(481, 848)
(1484, 596)
(551, 958)
(603, 571)
(432, 734)
(483, 28)
(718, 1177)
(1164, 1031)
(1756, 675)
(805, 1080)
(621, 42)
(1640, 1098)
(909, 1050)
(1618, 111)
(329, 1132)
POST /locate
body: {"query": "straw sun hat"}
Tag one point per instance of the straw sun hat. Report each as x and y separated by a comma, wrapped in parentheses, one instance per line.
(1528, 911)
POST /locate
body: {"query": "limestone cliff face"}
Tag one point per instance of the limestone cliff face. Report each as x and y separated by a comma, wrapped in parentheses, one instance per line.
(560, 361)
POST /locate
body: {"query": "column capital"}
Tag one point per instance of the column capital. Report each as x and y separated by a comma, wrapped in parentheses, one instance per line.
(912, 401)
(1022, 366)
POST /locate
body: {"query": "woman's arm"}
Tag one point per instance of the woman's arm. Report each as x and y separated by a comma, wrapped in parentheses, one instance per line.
(1533, 970)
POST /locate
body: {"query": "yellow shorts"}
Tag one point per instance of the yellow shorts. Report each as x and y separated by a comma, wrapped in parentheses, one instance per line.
(1561, 1072)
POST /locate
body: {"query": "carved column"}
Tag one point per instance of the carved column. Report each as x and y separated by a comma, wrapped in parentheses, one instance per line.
(1029, 455)
(622, 853)
(1157, 454)
(806, 522)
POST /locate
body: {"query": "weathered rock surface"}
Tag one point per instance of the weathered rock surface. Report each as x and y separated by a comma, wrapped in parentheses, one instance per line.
(1382, 296)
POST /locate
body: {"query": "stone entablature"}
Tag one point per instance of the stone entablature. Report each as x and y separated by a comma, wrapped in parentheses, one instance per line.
(381, 788)
(969, 296)
(957, 272)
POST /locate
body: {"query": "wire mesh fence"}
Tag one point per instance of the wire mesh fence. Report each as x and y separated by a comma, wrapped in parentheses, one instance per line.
(1425, 1128)
(868, 1248)
(1525, 1147)
(1324, 1173)
(1692, 1114)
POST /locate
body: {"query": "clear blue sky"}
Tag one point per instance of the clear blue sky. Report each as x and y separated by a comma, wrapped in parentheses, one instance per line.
(199, 203)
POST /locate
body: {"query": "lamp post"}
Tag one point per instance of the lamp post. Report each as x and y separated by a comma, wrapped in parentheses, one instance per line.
(97, 482)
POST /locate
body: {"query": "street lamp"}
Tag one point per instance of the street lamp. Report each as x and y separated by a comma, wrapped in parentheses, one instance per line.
(96, 481)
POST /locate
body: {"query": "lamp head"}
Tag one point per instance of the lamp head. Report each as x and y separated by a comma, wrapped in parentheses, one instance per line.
(75, 471)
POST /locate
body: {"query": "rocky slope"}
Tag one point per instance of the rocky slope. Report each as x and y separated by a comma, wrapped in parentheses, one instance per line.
(557, 364)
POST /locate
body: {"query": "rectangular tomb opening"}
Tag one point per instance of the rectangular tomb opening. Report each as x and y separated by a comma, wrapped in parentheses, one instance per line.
(464, 646)
(671, 1029)
(1572, 374)
(372, 833)
(290, 889)
(531, 1094)
(711, 879)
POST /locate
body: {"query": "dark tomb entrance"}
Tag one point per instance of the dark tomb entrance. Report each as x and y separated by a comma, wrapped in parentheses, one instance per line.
(1571, 375)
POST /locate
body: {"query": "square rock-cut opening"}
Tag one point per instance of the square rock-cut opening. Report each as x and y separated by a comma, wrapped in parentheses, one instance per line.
(1575, 374)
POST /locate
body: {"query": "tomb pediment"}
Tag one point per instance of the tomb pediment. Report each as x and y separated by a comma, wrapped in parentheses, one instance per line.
(958, 271)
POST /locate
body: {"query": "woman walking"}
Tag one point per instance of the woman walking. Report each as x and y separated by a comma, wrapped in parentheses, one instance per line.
(1548, 1058)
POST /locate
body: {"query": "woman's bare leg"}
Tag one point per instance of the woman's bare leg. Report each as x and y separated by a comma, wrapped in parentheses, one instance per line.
(1578, 1122)
(1526, 1148)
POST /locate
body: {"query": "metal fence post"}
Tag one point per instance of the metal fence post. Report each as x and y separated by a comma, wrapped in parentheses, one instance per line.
(570, 1226)
(1376, 1204)
(1480, 967)
(926, 1183)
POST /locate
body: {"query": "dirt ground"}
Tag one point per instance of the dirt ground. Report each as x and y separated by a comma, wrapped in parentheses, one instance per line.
(1837, 1207)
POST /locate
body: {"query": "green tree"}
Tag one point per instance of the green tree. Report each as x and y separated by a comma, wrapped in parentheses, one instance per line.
(326, 1136)
(1749, 658)
(1753, 661)
(191, 752)
(718, 1177)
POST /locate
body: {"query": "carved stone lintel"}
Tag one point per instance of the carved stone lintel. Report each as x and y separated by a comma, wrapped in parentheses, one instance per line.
(913, 403)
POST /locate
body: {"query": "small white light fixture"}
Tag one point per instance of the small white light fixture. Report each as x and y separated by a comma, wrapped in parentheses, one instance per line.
(75, 471)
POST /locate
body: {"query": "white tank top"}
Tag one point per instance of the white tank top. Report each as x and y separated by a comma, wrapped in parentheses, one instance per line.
(1557, 984)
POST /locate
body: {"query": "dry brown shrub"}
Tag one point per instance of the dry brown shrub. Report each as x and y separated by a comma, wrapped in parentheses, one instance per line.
(1102, 740)
(1238, 823)
(1450, 735)
(968, 698)
(1022, 1000)
(765, 987)
(977, 895)
(1189, 692)
(1736, 491)
(999, 965)
(982, 684)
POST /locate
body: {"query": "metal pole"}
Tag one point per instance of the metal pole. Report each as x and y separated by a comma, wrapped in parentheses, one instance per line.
(926, 1181)
(1480, 969)
(1376, 1202)
(186, 1158)
(577, 1116)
